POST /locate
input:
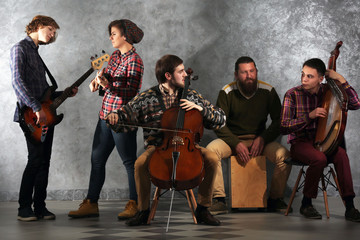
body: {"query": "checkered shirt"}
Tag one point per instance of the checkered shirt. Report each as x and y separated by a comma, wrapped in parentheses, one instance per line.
(124, 72)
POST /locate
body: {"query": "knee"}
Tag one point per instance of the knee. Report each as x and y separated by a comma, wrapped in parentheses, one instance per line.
(217, 149)
(138, 165)
(319, 161)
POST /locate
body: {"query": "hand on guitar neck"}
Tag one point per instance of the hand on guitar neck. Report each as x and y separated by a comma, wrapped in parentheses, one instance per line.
(330, 73)
(99, 80)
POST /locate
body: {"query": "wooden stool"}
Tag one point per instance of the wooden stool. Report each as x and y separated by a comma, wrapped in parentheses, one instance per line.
(189, 196)
(248, 183)
(325, 181)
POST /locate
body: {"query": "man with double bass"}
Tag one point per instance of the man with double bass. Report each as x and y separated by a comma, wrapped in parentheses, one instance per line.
(147, 109)
(300, 111)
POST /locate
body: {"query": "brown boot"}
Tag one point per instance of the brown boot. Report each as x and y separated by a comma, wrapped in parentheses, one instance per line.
(86, 209)
(130, 210)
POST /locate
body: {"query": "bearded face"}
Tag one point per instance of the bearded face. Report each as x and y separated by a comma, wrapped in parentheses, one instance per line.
(246, 77)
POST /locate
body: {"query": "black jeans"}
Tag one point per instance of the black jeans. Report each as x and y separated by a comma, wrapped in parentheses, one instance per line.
(35, 177)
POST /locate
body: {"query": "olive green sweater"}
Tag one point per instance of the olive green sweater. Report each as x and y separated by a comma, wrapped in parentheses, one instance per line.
(249, 115)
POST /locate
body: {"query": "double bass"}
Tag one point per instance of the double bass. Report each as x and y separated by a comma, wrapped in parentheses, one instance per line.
(330, 130)
(177, 164)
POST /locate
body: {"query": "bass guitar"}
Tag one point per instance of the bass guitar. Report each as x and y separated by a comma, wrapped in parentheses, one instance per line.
(28, 119)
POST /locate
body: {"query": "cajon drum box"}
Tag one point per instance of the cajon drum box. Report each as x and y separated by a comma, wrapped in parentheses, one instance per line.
(248, 183)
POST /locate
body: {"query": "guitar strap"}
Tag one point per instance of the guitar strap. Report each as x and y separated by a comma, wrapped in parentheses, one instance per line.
(52, 79)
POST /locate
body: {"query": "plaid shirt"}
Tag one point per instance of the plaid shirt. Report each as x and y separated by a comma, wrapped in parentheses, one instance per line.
(148, 107)
(297, 105)
(27, 75)
(124, 72)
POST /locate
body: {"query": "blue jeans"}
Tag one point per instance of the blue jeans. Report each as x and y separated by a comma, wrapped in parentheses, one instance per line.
(104, 142)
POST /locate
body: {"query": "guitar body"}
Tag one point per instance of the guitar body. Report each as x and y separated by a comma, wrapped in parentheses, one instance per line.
(331, 128)
(28, 118)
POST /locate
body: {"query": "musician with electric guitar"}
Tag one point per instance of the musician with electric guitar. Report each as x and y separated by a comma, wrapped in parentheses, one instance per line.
(29, 83)
(303, 109)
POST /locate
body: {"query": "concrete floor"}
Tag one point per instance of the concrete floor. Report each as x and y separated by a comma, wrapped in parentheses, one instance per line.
(243, 224)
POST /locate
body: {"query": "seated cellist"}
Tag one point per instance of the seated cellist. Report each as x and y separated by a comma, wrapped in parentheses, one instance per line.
(300, 111)
(147, 109)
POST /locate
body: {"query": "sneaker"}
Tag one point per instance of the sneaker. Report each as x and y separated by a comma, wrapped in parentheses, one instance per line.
(26, 214)
(352, 215)
(205, 216)
(129, 212)
(140, 218)
(86, 209)
(218, 207)
(310, 212)
(45, 214)
(277, 205)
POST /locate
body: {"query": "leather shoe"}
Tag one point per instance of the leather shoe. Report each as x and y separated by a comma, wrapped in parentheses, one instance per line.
(140, 218)
(205, 216)
(352, 215)
(310, 212)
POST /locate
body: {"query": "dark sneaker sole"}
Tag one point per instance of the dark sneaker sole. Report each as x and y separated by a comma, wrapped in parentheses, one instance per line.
(27, 219)
(52, 217)
(314, 217)
(352, 219)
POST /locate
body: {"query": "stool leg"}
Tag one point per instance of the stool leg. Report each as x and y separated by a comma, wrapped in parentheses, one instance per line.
(192, 203)
(154, 205)
(294, 191)
(325, 196)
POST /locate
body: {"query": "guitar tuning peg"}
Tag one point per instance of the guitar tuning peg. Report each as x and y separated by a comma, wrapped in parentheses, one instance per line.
(92, 58)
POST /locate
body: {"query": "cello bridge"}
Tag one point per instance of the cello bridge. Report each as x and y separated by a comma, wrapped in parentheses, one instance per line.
(177, 140)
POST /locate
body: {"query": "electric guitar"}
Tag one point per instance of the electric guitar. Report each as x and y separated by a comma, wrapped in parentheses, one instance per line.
(27, 118)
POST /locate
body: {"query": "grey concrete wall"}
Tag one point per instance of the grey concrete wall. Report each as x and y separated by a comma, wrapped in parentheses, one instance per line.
(208, 34)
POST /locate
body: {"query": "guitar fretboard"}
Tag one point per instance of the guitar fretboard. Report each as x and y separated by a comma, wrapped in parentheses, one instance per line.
(68, 92)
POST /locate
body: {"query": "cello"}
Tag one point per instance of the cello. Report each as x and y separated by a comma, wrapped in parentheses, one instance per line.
(330, 130)
(177, 164)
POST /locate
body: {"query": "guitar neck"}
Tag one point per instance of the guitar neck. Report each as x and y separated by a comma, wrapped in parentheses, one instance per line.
(68, 92)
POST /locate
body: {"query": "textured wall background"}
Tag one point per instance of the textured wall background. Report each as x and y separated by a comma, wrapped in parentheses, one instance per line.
(208, 34)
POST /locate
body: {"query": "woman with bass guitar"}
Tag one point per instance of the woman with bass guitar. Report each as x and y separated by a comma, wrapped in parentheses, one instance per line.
(153, 109)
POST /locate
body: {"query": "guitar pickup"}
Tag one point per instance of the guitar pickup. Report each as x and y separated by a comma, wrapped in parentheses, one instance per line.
(30, 127)
(44, 130)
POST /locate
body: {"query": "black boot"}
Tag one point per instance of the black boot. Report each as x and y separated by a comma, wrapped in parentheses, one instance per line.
(202, 214)
(140, 218)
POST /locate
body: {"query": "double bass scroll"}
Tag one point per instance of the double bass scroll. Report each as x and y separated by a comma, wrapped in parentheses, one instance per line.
(330, 130)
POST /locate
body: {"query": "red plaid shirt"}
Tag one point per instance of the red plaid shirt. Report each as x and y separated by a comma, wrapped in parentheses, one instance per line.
(124, 72)
(297, 105)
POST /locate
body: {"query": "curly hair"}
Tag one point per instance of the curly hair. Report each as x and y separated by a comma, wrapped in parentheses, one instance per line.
(41, 21)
